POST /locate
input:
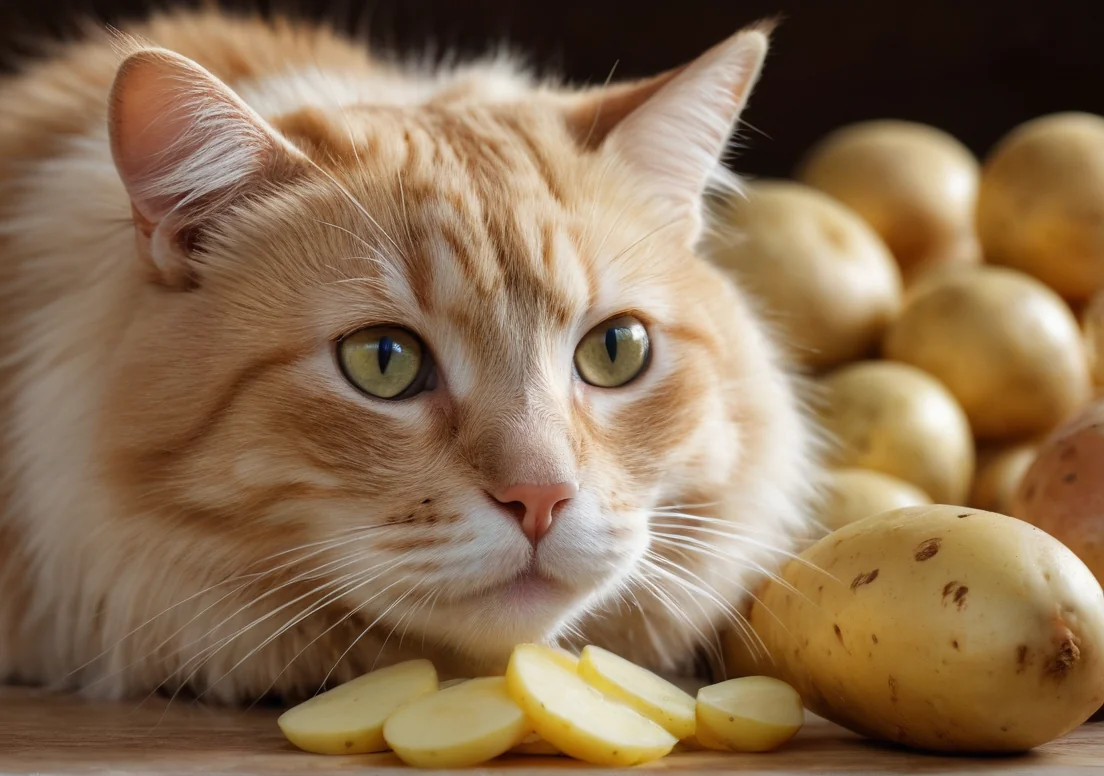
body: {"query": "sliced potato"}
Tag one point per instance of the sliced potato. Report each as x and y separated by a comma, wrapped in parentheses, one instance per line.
(467, 724)
(349, 718)
(576, 718)
(639, 689)
(750, 714)
(452, 683)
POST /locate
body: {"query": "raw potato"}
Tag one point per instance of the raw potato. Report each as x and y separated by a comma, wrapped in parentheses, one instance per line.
(1063, 491)
(533, 744)
(824, 277)
(857, 493)
(349, 718)
(896, 419)
(467, 724)
(998, 477)
(578, 719)
(1092, 324)
(1005, 345)
(639, 689)
(751, 714)
(914, 184)
(1041, 202)
(941, 628)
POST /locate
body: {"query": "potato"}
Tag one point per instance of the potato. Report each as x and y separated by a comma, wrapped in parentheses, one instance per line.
(896, 419)
(639, 689)
(752, 714)
(349, 718)
(1063, 490)
(998, 476)
(914, 184)
(1092, 325)
(1006, 346)
(822, 275)
(533, 744)
(464, 725)
(941, 628)
(578, 719)
(1041, 202)
(853, 494)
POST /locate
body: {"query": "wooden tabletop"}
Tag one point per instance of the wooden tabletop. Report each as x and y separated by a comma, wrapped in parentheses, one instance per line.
(45, 734)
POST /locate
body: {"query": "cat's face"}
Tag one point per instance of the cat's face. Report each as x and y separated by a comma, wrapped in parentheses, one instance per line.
(444, 373)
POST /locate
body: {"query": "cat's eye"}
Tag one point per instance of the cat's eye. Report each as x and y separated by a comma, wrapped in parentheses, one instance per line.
(384, 361)
(613, 352)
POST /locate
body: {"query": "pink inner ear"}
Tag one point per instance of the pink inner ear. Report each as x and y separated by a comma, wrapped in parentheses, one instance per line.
(179, 135)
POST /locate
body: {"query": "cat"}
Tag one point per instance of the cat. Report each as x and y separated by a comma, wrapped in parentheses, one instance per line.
(311, 362)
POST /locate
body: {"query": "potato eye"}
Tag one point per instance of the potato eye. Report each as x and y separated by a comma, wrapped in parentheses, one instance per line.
(384, 361)
(613, 352)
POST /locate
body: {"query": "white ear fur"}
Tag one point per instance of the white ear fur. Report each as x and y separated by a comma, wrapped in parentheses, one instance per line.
(676, 137)
(183, 144)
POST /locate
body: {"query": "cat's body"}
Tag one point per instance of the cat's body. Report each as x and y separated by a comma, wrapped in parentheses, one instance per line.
(191, 492)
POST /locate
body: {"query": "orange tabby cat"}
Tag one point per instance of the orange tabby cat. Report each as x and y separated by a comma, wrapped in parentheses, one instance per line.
(310, 363)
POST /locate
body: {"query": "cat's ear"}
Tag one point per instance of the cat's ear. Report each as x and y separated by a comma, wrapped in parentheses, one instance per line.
(185, 147)
(673, 128)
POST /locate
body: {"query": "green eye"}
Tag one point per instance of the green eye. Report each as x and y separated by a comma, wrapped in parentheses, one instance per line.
(384, 361)
(613, 352)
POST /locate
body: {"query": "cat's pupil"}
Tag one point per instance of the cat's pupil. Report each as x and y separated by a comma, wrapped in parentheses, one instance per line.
(611, 343)
(383, 352)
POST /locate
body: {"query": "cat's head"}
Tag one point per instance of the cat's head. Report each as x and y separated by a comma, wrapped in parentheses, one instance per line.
(454, 364)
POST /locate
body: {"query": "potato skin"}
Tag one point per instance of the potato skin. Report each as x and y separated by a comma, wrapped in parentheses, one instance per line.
(899, 420)
(1006, 346)
(999, 474)
(1063, 490)
(941, 628)
(824, 277)
(915, 184)
(1041, 202)
(853, 494)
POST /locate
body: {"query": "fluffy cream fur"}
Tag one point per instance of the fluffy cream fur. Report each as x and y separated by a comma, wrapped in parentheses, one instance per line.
(192, 495)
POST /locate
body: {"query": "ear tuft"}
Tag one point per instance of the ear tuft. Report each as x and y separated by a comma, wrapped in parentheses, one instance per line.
(184, 146)
(673, 128)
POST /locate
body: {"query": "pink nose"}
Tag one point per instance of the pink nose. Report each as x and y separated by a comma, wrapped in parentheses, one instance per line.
(540, 504)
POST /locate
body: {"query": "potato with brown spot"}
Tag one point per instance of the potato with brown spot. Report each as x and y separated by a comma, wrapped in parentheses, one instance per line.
(1063, 490)
(989, 633)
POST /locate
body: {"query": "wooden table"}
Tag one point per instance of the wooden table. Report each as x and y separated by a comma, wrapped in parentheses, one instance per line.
(46, 734)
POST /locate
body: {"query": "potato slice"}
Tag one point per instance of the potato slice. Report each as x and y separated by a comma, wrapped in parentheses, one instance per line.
(349, 718)
(576, 718)
(465, 725)
(639, 689)
(533, 744)
(751, 714)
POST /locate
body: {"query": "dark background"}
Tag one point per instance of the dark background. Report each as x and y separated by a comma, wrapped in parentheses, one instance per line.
(973, 67)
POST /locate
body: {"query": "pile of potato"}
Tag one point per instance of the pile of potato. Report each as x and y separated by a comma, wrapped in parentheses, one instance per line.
(950, 315)
(598, 708)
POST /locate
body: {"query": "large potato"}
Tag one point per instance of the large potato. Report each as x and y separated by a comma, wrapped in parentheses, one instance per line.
(915, 184)
(941, 628)
(1063, 490)
(853, 494)
(1041, 202)
(999, 473)
(1005, 345)
(822, 274)
(898, 420)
